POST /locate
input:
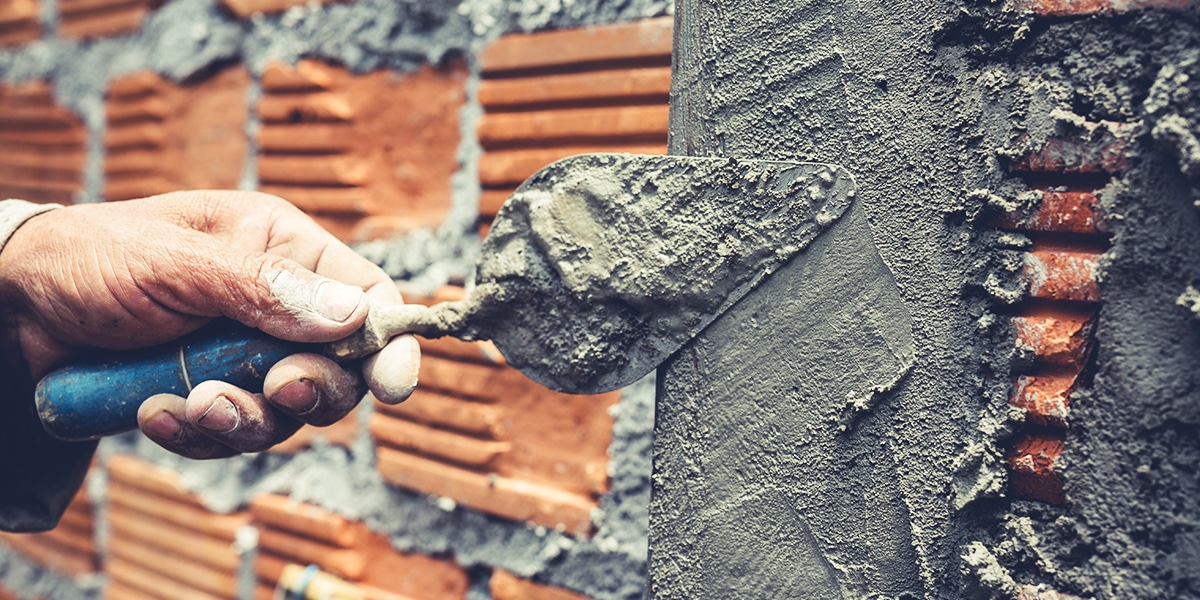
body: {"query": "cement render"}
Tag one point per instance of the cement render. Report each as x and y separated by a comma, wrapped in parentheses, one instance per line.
(185, 39)
(926, 103)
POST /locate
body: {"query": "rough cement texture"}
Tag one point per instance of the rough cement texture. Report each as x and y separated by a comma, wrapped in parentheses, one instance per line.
(926, 103)
(30, 582)
(585, 287)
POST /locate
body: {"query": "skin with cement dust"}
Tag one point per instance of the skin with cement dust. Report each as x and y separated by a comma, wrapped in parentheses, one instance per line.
(585, 287)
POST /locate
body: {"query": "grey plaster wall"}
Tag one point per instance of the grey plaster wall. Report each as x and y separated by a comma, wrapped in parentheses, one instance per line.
(926, 103)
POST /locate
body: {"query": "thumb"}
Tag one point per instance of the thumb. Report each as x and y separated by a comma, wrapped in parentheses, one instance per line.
(286, 300)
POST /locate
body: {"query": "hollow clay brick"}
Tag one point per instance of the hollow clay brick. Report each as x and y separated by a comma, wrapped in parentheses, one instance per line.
(1087, 7)
(247, 8)
(1093, 148)
(367, 155)
(69, 548)
(1045, 398)
(1060, 211)
(1062, 275)
(301, 534)
(162, 137)
(506, 586)
(96, 18)
(1032, 462)
(1056, 336)
(482, 434)
(41, 145)
(163, 543)
(19, 22)
(554, 94)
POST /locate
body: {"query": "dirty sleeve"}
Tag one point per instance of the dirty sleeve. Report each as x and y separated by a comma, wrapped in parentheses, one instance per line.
(38, 474)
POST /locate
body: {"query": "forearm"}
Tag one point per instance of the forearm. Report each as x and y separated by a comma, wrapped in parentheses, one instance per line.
(38, 474)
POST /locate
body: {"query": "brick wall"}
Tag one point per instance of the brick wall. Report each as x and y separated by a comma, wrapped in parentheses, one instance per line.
(506, 488)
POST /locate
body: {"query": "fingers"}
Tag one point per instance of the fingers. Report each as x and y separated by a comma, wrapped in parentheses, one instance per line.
(391, 373)
(313, 389)
(217, 419)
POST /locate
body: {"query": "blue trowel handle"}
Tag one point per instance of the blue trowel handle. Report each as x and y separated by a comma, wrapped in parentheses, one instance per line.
(101, 396)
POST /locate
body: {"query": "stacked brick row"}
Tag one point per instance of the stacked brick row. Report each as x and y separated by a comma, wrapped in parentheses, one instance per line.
(18, 22)
(70, 548)
(41, 145)
(482, 434)
(1055, 323)
(163, 543)
(550, 95)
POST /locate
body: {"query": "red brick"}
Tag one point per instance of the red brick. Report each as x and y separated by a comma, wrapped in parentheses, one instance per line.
(163, 542)
(506, 586)
(1062, 275)
(246, 8)
(19, 22)
(41, 145)
(1091, 148)
(1087, 7)
(1067, 211)
(342, 433)
(69, 548)
(1056, 335)
(96, 18)
(367, 155)
(163, 137)
(555, 94)
(1033, 466)
(482, 434)
(1046, 398)
(650, 38)
(294, 533)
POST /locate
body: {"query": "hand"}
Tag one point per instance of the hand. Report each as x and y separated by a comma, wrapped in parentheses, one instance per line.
(139, 273)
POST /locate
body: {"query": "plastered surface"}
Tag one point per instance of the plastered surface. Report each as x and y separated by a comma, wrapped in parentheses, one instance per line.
(929, 104)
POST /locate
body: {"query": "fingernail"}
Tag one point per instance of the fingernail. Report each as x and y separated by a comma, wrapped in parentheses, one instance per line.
(221, 417)
(300, 396)
(163, 427)
(337, 301)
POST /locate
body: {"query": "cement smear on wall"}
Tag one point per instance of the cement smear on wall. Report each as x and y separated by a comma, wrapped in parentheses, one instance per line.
(927, 104)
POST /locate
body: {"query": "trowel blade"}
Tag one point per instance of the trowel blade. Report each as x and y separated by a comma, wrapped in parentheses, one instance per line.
(601, 266)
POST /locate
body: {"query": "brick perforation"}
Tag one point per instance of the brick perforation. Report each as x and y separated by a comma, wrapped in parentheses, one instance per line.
(551, 95)
(41, 145)
(164, 543)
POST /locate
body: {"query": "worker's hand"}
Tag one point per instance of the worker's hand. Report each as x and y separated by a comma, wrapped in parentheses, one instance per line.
(131, 274)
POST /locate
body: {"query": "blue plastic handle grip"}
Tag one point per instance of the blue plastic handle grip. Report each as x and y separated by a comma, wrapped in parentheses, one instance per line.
(101, 396)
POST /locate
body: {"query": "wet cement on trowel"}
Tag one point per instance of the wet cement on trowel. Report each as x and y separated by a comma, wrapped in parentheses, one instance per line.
(927, 104)
(599, 267)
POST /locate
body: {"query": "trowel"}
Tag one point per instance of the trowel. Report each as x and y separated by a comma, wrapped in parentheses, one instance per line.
(596, 270)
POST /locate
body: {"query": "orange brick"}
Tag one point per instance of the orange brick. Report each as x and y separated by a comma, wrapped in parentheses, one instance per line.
(247, 8)
(1046, 398)
(163, 543)
(69, 548)
(506, 586)
(1056, 336)
(1033, 466)
(555, 94)
(1087, 7)
(41, 145)
(293, 533)
(1066, 211)
(95, 18)
(1093, 148)
(649, 38)
(19, 22)
(1063, 275)
(163, 137)
(347, 147)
